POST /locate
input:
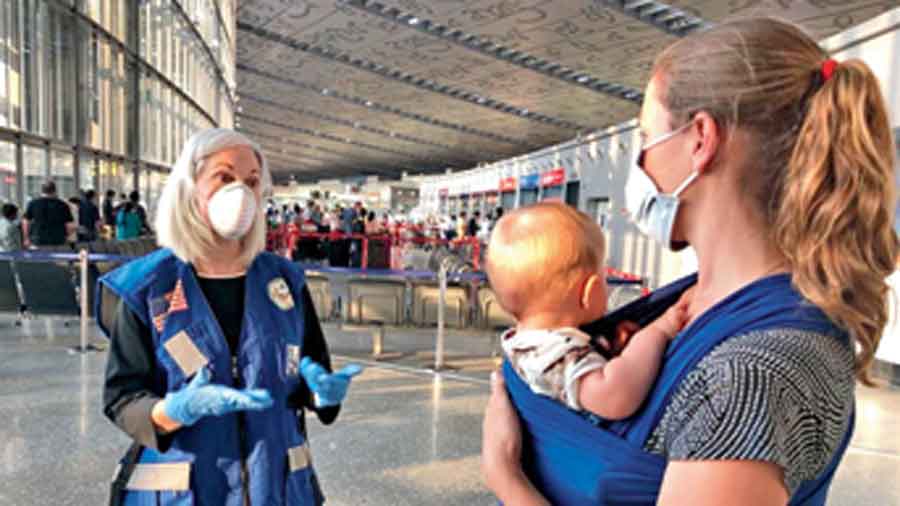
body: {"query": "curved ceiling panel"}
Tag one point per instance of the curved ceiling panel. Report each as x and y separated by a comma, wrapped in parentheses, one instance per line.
(336, 88)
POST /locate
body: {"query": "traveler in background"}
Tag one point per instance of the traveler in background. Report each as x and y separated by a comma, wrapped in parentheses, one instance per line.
(373, 226)
(10, 231)
(485, 227)
(359, 228)
(48, 220)
(299, 217)
(109, 209)
(315, 211)
(74, 207)
(462, 225)
(128, 222)
(450, 231)
(89, 223)
(135, 199)
(473, 225)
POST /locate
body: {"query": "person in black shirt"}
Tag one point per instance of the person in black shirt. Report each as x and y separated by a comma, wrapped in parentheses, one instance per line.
(472, 227)
(48, 220)
(109, 208)
(88, 217)
(135, 199)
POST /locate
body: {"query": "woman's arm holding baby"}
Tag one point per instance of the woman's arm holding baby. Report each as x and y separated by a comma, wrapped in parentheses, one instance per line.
(618, 389)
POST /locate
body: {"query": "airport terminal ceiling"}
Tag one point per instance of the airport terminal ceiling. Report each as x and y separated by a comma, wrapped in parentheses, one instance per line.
(338, 88)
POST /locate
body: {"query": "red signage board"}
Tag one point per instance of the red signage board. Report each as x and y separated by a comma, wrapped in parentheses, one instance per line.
(508, 184)
(443, 192)
(554, 177)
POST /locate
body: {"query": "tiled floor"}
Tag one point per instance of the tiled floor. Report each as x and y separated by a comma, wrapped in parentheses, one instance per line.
(405, 437)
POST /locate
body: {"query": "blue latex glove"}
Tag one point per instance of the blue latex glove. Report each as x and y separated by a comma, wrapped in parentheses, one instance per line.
(199, 399)
(329, 389)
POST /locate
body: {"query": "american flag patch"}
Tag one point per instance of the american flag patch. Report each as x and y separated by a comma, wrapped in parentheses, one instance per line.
(162, 307)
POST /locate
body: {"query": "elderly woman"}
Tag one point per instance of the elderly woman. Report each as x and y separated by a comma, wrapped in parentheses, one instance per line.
(215, 349)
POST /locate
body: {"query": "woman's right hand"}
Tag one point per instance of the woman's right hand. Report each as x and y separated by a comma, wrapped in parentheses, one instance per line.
(200, 398)
(501, 450)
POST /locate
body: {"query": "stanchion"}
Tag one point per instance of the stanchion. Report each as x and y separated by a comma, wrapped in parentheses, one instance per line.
(85, 310)
(378, 342)
(442, 302)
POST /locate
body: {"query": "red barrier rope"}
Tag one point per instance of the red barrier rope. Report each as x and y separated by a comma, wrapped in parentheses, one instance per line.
(288, 236)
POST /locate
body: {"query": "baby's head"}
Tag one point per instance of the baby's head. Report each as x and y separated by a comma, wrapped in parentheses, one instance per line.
(547, 258)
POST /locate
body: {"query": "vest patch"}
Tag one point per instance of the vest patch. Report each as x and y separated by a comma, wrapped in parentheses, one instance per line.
(280, 294)
(185, 353)
(292, 360)
(162, 307)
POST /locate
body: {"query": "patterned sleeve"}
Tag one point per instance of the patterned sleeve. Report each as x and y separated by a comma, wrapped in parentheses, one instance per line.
(783, 396)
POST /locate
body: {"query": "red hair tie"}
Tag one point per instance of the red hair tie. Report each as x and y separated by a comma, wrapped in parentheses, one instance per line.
(828, 68)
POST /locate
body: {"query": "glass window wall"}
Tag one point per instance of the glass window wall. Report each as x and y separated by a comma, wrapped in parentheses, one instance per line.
(34, 170)
(66, 80)
(8, 180)
(10, 66)
(62, 171)
(87, 172)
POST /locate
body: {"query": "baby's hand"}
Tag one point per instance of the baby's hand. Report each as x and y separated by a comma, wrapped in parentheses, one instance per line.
(674, 319)
(624, 331)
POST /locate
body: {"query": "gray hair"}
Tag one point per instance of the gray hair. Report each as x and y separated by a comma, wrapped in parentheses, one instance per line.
(179, 224)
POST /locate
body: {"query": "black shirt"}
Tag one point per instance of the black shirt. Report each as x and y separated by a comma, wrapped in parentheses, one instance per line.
(88, 216)
(226, 300)
(109, 212)
(472, 227)
(131, 388)
(48, 217)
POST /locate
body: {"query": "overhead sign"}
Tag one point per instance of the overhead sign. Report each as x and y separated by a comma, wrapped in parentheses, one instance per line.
(529, 182)
(508, 184)
(554, 177)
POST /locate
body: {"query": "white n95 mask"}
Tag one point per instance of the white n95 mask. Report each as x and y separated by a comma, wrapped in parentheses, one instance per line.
(654, 212)
(232, 210)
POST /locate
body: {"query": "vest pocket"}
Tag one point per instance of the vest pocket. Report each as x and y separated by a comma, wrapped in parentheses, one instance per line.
(300, 484)
(160, 484)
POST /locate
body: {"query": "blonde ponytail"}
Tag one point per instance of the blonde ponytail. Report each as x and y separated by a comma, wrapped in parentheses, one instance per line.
(835, 220)
(820, 162)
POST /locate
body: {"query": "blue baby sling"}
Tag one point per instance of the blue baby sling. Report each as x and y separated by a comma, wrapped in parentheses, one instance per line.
(578, 460)
(221, 459)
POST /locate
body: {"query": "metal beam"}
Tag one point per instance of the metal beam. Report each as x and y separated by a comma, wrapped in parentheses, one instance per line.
(350, 124)
(332, 138)
(422, 84)
(491, 49)
(381, 107)
(662, 16)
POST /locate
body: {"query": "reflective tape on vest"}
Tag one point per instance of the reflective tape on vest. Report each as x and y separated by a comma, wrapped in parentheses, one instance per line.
(185, 353)
(166, 476)
(299, 457)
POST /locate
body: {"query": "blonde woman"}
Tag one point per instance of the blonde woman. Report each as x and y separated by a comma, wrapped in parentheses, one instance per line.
(775, 163)
(216, 351)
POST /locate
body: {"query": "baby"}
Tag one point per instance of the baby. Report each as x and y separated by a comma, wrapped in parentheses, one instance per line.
(545, 263)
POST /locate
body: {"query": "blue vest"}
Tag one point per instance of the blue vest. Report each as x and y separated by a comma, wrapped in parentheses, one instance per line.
(220, 459)
(579, 460)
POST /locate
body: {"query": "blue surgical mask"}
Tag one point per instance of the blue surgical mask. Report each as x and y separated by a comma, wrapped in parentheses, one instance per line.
(654, 212)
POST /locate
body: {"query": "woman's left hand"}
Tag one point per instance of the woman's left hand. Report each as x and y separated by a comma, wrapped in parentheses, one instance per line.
(329, 388)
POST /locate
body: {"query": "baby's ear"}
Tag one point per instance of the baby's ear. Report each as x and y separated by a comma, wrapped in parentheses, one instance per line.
(587, 290)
